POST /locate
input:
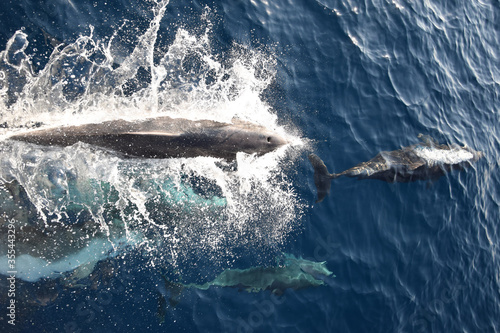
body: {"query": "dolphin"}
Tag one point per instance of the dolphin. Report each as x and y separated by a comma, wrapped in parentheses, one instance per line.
(163, 137)
(293, 273)
(427, 160)
(71, 241)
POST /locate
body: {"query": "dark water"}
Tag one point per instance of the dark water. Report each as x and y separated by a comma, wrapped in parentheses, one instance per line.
(355, 78)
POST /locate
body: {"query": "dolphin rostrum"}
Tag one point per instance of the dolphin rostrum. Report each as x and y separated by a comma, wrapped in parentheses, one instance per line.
(427, 160)
(164, 137)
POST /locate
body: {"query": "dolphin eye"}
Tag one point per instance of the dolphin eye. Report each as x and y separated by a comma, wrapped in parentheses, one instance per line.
(269, 139)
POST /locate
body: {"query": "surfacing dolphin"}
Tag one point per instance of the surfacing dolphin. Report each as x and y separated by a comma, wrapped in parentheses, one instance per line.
(164, 137)
(427, 160)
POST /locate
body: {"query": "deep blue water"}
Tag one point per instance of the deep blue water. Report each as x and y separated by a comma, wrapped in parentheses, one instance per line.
(355, 78)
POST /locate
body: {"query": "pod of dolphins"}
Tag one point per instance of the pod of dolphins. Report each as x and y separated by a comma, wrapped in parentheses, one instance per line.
(165, 137)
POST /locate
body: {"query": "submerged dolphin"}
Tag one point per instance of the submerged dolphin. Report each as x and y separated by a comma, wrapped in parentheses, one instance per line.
(294, 273)
(164, 137)
(65, 237)
(427, 160)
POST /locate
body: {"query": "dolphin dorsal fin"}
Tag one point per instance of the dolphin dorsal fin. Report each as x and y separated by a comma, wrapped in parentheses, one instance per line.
(427, 140)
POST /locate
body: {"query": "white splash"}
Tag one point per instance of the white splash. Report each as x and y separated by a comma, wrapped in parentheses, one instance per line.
(182, 207)
(435, 156)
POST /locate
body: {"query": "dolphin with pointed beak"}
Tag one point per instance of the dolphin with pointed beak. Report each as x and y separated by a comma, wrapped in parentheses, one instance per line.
(427, 160)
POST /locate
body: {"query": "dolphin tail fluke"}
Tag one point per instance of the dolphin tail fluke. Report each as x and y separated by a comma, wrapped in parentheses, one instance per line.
(174, 289)
(322, 178)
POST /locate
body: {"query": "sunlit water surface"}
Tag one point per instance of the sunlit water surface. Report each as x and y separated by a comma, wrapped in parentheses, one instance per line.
(95, 231)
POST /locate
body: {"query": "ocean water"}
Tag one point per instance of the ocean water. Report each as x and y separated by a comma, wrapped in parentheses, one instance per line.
(342, 79)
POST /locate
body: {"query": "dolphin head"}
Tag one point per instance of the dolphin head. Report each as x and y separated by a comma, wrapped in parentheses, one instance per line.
(251, 138)
(476, 155)
(312, 268)
(261, 142)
